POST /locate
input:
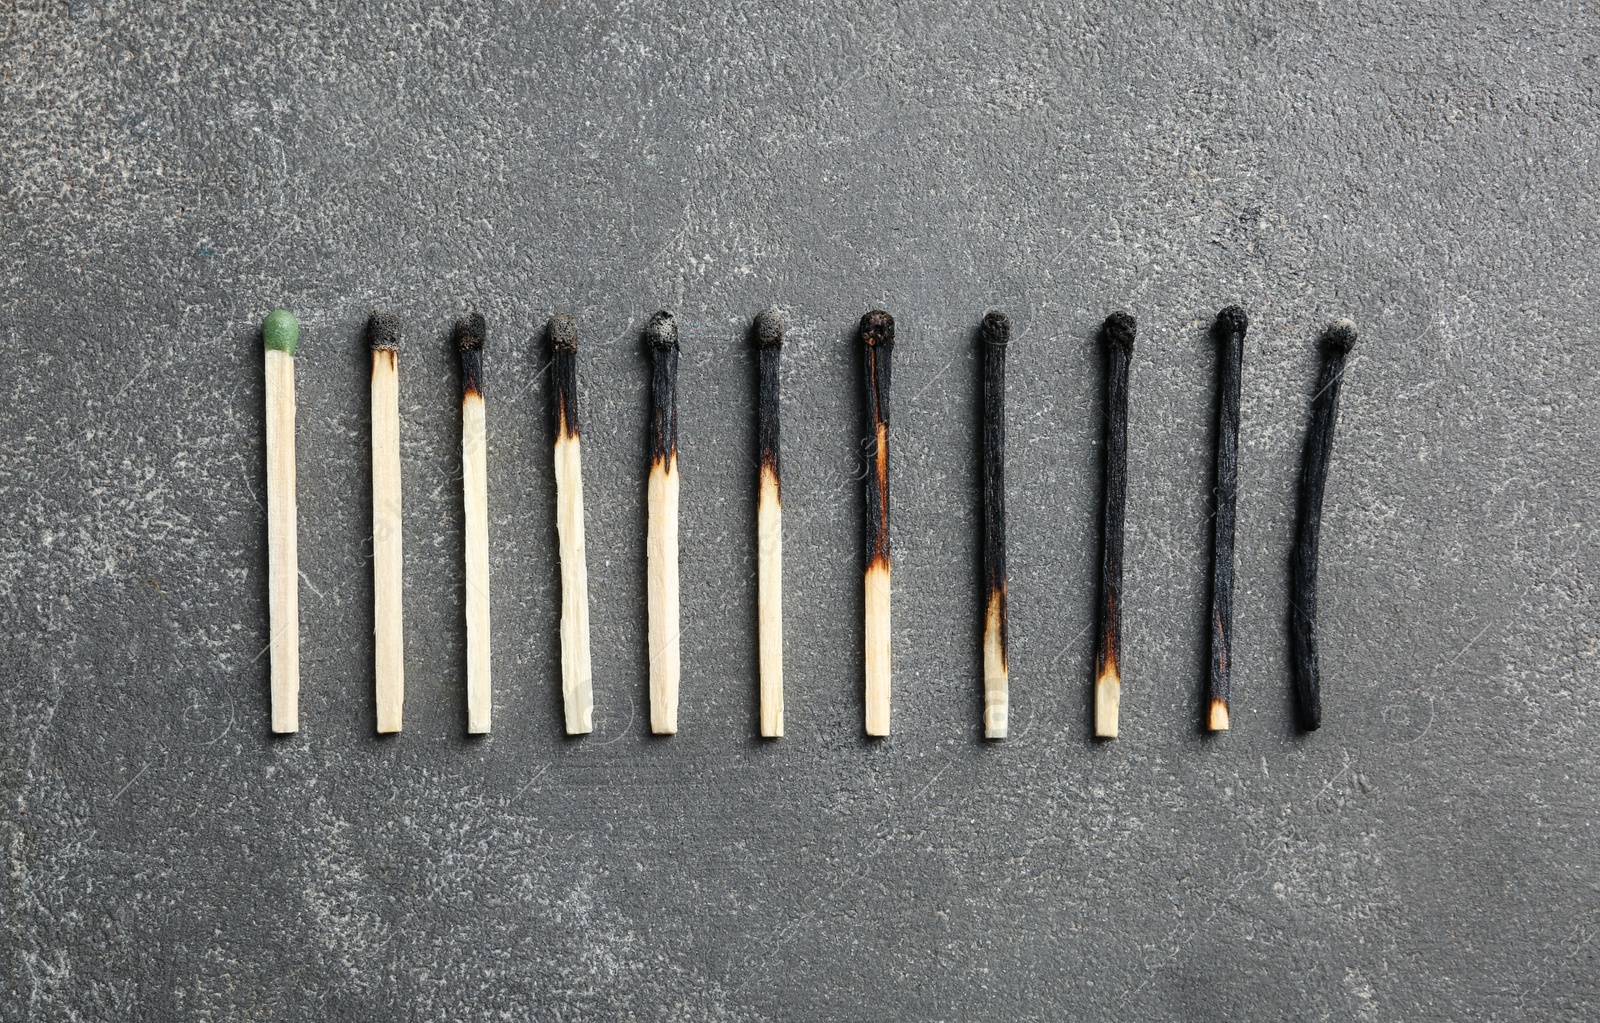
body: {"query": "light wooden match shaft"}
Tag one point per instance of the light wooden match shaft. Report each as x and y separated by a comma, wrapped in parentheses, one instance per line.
(662, 537)
(475, 499)
(283, 571)
(769, 524)
(877, 336)
(996, 333)
(577, 677)
(387, 559)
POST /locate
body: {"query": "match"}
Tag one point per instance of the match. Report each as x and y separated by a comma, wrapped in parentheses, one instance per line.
(383, 334)
(475, 499)
(280, 333)
(662, 545)
(1119, 331)
(577, 682)
(877, 339)
(1229, 332)
(1337, 341)
(996, 333)
(769, 524)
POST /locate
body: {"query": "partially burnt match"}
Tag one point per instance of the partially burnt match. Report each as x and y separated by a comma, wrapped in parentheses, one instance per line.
(1228, 331)
(469, 335)
(388, 656)
(662, 542)
(877, 339)
(996, 334)
(1337, 341)
(1118, 332)
(769, 333)
(577, 682)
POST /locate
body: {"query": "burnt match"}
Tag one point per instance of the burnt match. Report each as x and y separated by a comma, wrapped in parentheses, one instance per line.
(475, 499)
(877, 339)
(662, 545)
(769, 524)
(996, 333)
(389, 667)
(1229, 332)
(1118, 331)
(577, 683)
(1337, 341)
(280, 335)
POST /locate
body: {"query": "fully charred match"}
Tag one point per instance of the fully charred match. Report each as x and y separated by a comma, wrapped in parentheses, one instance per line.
(877, 339)
(1229, 332)
(475, 498)
(577, 684)
(1119, 331)
(383, 333)
(769, 523)
(280, 333)
(662, 497)
(996, 332)
(1337, 341)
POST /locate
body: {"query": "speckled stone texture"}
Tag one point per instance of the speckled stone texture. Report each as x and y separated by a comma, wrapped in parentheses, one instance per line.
(171, 172)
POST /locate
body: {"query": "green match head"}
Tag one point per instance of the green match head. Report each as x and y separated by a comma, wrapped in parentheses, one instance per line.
(280, 330)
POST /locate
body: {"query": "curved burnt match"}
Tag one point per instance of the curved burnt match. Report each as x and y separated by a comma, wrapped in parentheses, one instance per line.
(662, 544)
(1337, 341)
(1118, 333)
(577, 683)
(469, 335)
(877, 339)
(1229, 331)
(996, 334)
(383, 335)
(769, 331)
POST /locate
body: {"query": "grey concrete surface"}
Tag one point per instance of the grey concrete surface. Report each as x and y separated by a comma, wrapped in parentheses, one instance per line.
(170, 172)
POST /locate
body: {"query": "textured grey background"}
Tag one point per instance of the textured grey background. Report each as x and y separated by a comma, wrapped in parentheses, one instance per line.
(170, 172)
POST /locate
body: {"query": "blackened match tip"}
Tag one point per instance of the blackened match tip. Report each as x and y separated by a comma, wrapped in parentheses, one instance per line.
(662, 331)
(770, 328)
(1120, 329)
(1232, 320)
(563, 332)
(1340, 335)
(470, 332)
(996, 328)
(383, 331)
(877, 329)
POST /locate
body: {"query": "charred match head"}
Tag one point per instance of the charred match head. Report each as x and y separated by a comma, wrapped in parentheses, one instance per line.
(770, 329)
(563, 333)
(996, 329)
(470, 332)
(383, 332)
(769, 332)
(1231, 321)
(877, 329)
(661, 333)
(1340, 336)
(1119, 331)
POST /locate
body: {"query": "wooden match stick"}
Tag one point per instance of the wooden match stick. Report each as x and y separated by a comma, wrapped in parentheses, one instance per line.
(1337, 341)
(577, 682)
(662, 568)
(996, 332)
(383, 333)
(877, 339)
(1119, 331)
(1229, 331)
(475, 498)
(280, 333)
(769, 525)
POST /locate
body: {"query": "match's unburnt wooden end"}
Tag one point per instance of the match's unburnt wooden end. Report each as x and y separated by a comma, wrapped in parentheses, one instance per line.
(769, 332)
(388, 651)
(469, 336)
(1228, 331)
(280, 334)
(996, 333)
(662, 543)
(577, 682)
(1337, 341)
(1118, 332)
(877, 339)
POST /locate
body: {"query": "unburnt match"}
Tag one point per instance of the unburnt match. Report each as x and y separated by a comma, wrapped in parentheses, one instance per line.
(996, 332)
(877, 339)
(1337, 341)
(769, 524)
(662, 546)
(475, 498)
(577, 684)
(383, 334)
(1119, 331)
(280, 333)
(1229, 331)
